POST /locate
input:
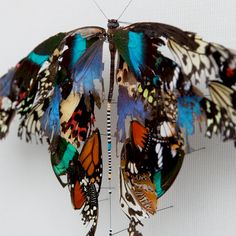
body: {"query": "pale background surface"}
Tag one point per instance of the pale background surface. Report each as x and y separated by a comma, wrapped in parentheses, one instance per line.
(31, 200)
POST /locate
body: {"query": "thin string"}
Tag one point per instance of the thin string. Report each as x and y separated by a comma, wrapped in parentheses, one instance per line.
(100, 9)
(122, 13)
(103, 200)
(103, 134)
(196, 150)
(108, 188)
(165, 208)
(118, 232)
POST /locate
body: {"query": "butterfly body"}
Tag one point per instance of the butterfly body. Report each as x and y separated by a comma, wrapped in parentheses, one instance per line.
(57, 87)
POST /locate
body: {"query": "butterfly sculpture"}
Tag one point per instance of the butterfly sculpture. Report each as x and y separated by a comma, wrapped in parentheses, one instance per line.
(57, 86)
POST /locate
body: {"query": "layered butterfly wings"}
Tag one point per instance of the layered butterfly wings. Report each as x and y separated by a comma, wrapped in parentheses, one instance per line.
(80, 160)
(49, 73)
(163, 93)
(196, 65)
(53, 90)
(84, 174)
(153, 153)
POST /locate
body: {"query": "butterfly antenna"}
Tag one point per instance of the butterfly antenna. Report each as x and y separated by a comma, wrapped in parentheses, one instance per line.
(122, 13)
(100, 9)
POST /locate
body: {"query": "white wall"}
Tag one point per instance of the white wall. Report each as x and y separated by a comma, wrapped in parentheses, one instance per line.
(31, 200)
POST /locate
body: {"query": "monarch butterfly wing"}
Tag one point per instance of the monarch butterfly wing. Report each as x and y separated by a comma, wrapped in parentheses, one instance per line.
(84, 174)
(57, 81)
(76, 180)
(91, 161)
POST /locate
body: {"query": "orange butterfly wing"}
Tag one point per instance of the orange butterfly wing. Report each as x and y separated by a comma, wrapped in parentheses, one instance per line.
(78, 198)
(90, 157)
(139, 134)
